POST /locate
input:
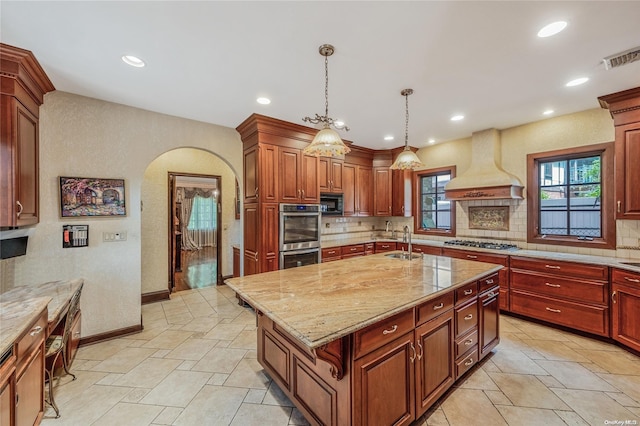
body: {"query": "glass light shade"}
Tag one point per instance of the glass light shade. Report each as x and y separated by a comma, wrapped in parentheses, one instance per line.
(327, 143)
(407, 159)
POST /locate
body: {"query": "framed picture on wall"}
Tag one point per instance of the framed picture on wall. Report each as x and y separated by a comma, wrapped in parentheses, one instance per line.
(81, 197)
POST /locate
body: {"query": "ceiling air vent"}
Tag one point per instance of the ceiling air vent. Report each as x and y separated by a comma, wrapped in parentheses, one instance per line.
(622, 58)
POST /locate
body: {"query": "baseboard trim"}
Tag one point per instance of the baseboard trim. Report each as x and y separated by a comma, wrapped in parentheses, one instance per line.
(111, 335)
(155, 296)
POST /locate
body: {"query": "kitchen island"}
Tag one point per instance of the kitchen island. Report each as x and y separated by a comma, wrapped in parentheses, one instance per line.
(375, 339)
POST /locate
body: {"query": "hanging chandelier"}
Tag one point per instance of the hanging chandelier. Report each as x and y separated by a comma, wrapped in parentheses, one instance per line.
(407, 159)
(327, 142)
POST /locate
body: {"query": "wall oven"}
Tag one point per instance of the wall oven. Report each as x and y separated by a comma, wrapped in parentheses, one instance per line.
(299, 234)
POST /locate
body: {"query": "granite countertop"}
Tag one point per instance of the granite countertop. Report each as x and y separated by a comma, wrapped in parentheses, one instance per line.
(616, 262)
(20, 305)
(320, 303)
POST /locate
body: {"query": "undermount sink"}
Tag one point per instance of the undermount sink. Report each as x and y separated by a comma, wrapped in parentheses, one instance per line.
(636, 264)
(403, 256)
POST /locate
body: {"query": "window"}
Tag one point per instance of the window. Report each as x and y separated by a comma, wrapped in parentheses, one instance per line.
(435, 215)
(570, 197)
(203, 214)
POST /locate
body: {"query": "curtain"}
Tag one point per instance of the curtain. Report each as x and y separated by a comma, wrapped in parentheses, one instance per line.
(198, 217)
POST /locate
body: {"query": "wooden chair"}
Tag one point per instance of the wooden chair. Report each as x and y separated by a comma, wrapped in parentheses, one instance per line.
(56, 346)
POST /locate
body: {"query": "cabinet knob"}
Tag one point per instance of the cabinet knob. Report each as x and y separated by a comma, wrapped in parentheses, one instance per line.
(21, 208)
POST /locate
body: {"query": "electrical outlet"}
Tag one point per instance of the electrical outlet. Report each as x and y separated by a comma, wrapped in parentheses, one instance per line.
(114, 236)
(327, 225)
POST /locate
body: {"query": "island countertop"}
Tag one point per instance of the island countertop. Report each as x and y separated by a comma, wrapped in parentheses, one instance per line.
(317, 304)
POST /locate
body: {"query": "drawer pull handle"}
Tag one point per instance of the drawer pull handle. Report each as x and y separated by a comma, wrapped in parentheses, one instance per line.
(331, 252)
(557, 311)
(468, 292)
(468, 342)
(421, 351)
(552, 285)
(613, 297)
(354, 248)
(391, 330)
(633, 280)
(468, 362)
(469, 256)
(439, 306)
(413, 358)
(491, 294)
(552, 266)
(489, 281)
(36, 330)
(385, 246)
(21, 208)
(468, 317)
(619, 206)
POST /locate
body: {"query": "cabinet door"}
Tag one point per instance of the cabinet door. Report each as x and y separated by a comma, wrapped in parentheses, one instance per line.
(626, 315)
(401, 193)
(269, 250)
(435, 366)
(627, 174)
(251, 238)
(289, 162)
(489, 321)
(336, 176)
(324, 174)
(309, 179)
(384, 384)
(6, 402)
(364, 191)
(382, 191)
(74, 338)
(268, 166)
(30, 391)
(349, 189)
(251, 174)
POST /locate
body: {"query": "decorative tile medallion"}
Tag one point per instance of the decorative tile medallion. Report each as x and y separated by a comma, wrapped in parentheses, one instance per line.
(492, 218)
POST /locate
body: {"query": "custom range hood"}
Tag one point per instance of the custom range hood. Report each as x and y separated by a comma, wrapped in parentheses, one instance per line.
(484, 179)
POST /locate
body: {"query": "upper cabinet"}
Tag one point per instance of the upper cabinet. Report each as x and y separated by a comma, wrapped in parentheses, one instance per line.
(625, 110)
(382, 191)
(23, 86)
(330, 175)
(298, 177)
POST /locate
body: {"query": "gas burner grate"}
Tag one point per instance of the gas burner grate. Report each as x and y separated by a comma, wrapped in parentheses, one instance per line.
(481, 244)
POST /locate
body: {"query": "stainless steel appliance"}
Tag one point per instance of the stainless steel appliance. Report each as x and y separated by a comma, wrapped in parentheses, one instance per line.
(299, 234)
(331, 204)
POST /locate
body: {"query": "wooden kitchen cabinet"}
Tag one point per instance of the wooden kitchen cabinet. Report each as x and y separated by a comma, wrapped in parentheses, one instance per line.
(625, 308)
(352, 250)
(7, 388)
(570, 294)
(382, 246)
(488, 316)
(420, 248)
(298, 177)
(401, 195)
(625, 110)
(330, 175)
(22, 89)
(358, 191)
(330, 254)
(260, 171)
(382, 191)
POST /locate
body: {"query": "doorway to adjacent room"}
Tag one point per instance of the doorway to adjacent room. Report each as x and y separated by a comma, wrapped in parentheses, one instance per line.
(194, 200)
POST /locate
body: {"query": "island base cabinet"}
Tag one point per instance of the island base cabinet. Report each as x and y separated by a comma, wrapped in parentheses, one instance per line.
(489, 309)
(29, 392)
(384, 385)
(626, 315)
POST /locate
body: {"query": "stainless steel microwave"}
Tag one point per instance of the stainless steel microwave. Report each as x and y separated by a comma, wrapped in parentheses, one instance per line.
(331, 204)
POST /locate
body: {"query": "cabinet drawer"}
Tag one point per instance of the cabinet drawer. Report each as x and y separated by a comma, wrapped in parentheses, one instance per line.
(352, 249)
(385, 246)
(331, 252)
(467, 343)
(369, 248)
(589, 318)
(488, 282)
(477, 256)
(380, 333)
(466, 318)
(466, 292)
(558, 286)
(433, 308)
(625, 277)
(32, 338)
(463, 365)
(571, 269)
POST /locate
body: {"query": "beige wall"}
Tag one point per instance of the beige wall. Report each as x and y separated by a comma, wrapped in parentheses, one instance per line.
(583, 128)
(155, 268)
(87, 137)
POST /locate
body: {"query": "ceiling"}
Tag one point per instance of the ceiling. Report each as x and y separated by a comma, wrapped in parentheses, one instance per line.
(209, 60)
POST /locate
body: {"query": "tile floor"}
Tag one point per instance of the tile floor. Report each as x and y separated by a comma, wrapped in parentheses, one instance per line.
(195, 364)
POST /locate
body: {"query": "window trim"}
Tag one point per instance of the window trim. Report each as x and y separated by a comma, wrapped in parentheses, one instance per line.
(608, 239)
(417, 213)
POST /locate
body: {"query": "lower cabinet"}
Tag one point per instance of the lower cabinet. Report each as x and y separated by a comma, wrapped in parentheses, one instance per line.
(74, 339)
(7, 389)
(489, 320)
(29, 391)
(625, 308)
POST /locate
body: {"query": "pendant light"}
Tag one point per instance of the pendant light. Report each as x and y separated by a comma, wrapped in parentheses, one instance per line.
(327, 142)
(407, 159)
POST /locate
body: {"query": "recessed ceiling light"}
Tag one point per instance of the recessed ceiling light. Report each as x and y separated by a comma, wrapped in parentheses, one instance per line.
(552, 29)
(548, 112)
(457, 117)
(263, 101)
(134, 61)
(431, 141)
(388, 138)
(577, 82)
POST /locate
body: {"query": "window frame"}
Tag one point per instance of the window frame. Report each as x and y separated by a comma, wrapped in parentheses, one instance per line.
(417, 213)
(607, 199)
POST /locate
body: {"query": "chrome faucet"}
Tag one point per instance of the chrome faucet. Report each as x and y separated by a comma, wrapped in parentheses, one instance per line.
(406, 232)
